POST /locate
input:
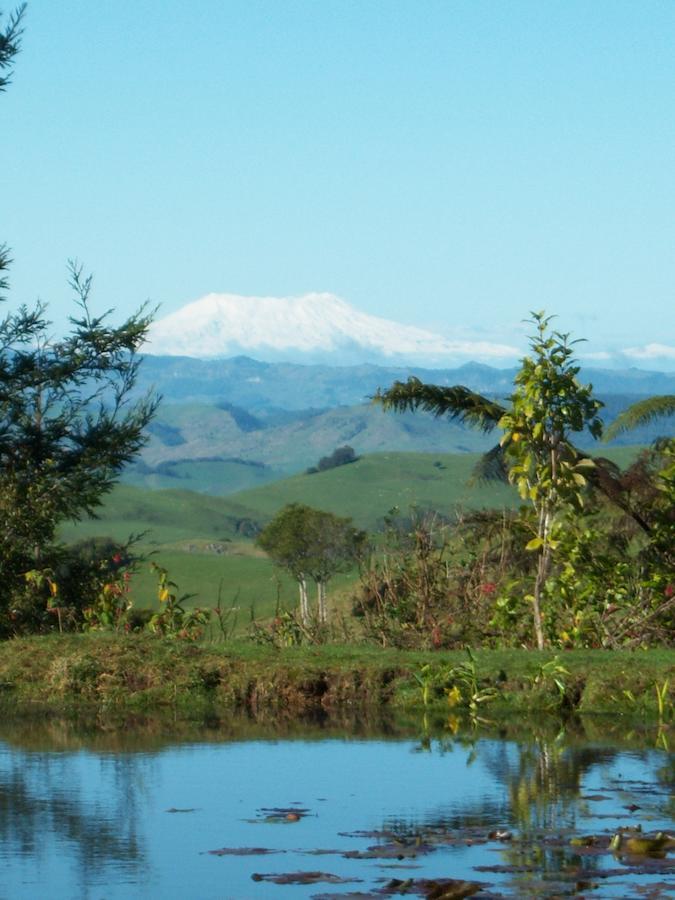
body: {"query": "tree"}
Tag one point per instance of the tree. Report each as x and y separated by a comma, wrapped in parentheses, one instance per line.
(658, 521)
(10, 43)
(341, 456)
(535, 452)
(311, 543)
(547, 404)
(68, 423)
(335, 546)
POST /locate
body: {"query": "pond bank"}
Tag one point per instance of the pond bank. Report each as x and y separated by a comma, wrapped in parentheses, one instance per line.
(138, 673)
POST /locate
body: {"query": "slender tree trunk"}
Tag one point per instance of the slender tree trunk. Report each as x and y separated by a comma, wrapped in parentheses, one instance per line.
(543, 565)
(321, 597)
(304, 603)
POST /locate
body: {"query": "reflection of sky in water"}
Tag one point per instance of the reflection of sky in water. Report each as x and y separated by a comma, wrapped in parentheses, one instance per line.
(96, 825)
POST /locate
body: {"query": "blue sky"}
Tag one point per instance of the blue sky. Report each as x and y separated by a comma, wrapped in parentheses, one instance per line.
(450, 165)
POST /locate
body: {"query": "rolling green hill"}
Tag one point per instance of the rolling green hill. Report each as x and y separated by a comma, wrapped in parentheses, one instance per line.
(205, 541)
(365, 490)
(223, 449)
(202, 539)
(368, 488)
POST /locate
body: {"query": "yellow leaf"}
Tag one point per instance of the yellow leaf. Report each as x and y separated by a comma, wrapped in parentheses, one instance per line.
(454, 696)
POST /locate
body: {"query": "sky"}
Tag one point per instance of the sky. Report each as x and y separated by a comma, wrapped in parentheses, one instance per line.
(449, 165)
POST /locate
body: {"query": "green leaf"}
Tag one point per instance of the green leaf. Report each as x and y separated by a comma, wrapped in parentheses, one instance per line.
(534, 544)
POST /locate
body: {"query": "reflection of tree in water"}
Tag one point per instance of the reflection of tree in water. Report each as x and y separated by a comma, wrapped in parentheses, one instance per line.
(89, 806)
(544, 783)
(544, 788)
(666, 776)
(542, 779)
(541, 800)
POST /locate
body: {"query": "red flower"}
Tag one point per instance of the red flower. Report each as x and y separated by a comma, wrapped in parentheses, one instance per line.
(489, 587)
(669, 590)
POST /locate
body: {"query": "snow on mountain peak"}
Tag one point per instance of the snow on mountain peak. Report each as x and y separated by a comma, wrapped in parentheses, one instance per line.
(315, 325)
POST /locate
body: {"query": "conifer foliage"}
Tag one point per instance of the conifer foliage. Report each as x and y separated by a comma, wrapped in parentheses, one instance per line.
(68, 418)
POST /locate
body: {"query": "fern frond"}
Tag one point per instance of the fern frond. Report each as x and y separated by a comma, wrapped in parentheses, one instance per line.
(458, 402)
(641, 413)
(491, 466)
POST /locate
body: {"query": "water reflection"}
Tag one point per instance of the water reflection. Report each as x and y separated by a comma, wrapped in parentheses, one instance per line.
(62, 810)
(551, 785)
(134, 812)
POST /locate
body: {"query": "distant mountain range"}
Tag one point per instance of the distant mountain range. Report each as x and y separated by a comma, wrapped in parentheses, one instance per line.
(230, 424)
(256, 385)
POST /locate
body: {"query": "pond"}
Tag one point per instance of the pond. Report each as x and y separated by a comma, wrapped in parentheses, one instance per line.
(530, 813)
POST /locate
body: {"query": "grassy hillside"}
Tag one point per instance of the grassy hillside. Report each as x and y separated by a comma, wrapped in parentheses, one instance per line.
(223, 449)
(218, 477)
(204, 541)
(366, 490)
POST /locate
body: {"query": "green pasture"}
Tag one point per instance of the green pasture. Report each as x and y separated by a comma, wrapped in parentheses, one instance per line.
(246, 581)
(204, 541)
(163, 517)
(367, 489)
(207, 476)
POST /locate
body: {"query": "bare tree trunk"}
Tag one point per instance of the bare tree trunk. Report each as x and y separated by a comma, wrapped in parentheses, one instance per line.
(304, 603)
(543, 565)
(321, 596)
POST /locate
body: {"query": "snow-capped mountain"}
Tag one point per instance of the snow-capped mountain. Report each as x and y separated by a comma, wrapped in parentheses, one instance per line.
(313, 327)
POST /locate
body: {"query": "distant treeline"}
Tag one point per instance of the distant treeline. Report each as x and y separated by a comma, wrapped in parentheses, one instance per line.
(341, 456)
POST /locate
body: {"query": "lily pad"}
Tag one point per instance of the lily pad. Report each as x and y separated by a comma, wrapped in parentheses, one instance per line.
(433, 888)
(243, 851)
(351, 895)
(303, 878)
(394, 850)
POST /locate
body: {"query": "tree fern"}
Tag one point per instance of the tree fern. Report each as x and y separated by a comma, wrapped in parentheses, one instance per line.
(458, 402)
(641, 413)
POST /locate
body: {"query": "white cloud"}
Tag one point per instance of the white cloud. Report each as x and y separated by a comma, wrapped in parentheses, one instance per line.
(650, 351)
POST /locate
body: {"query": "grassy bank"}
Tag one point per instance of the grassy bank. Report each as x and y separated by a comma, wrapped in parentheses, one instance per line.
(139, 673)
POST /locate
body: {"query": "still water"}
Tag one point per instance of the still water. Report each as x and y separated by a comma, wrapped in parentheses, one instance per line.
(117, 816)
